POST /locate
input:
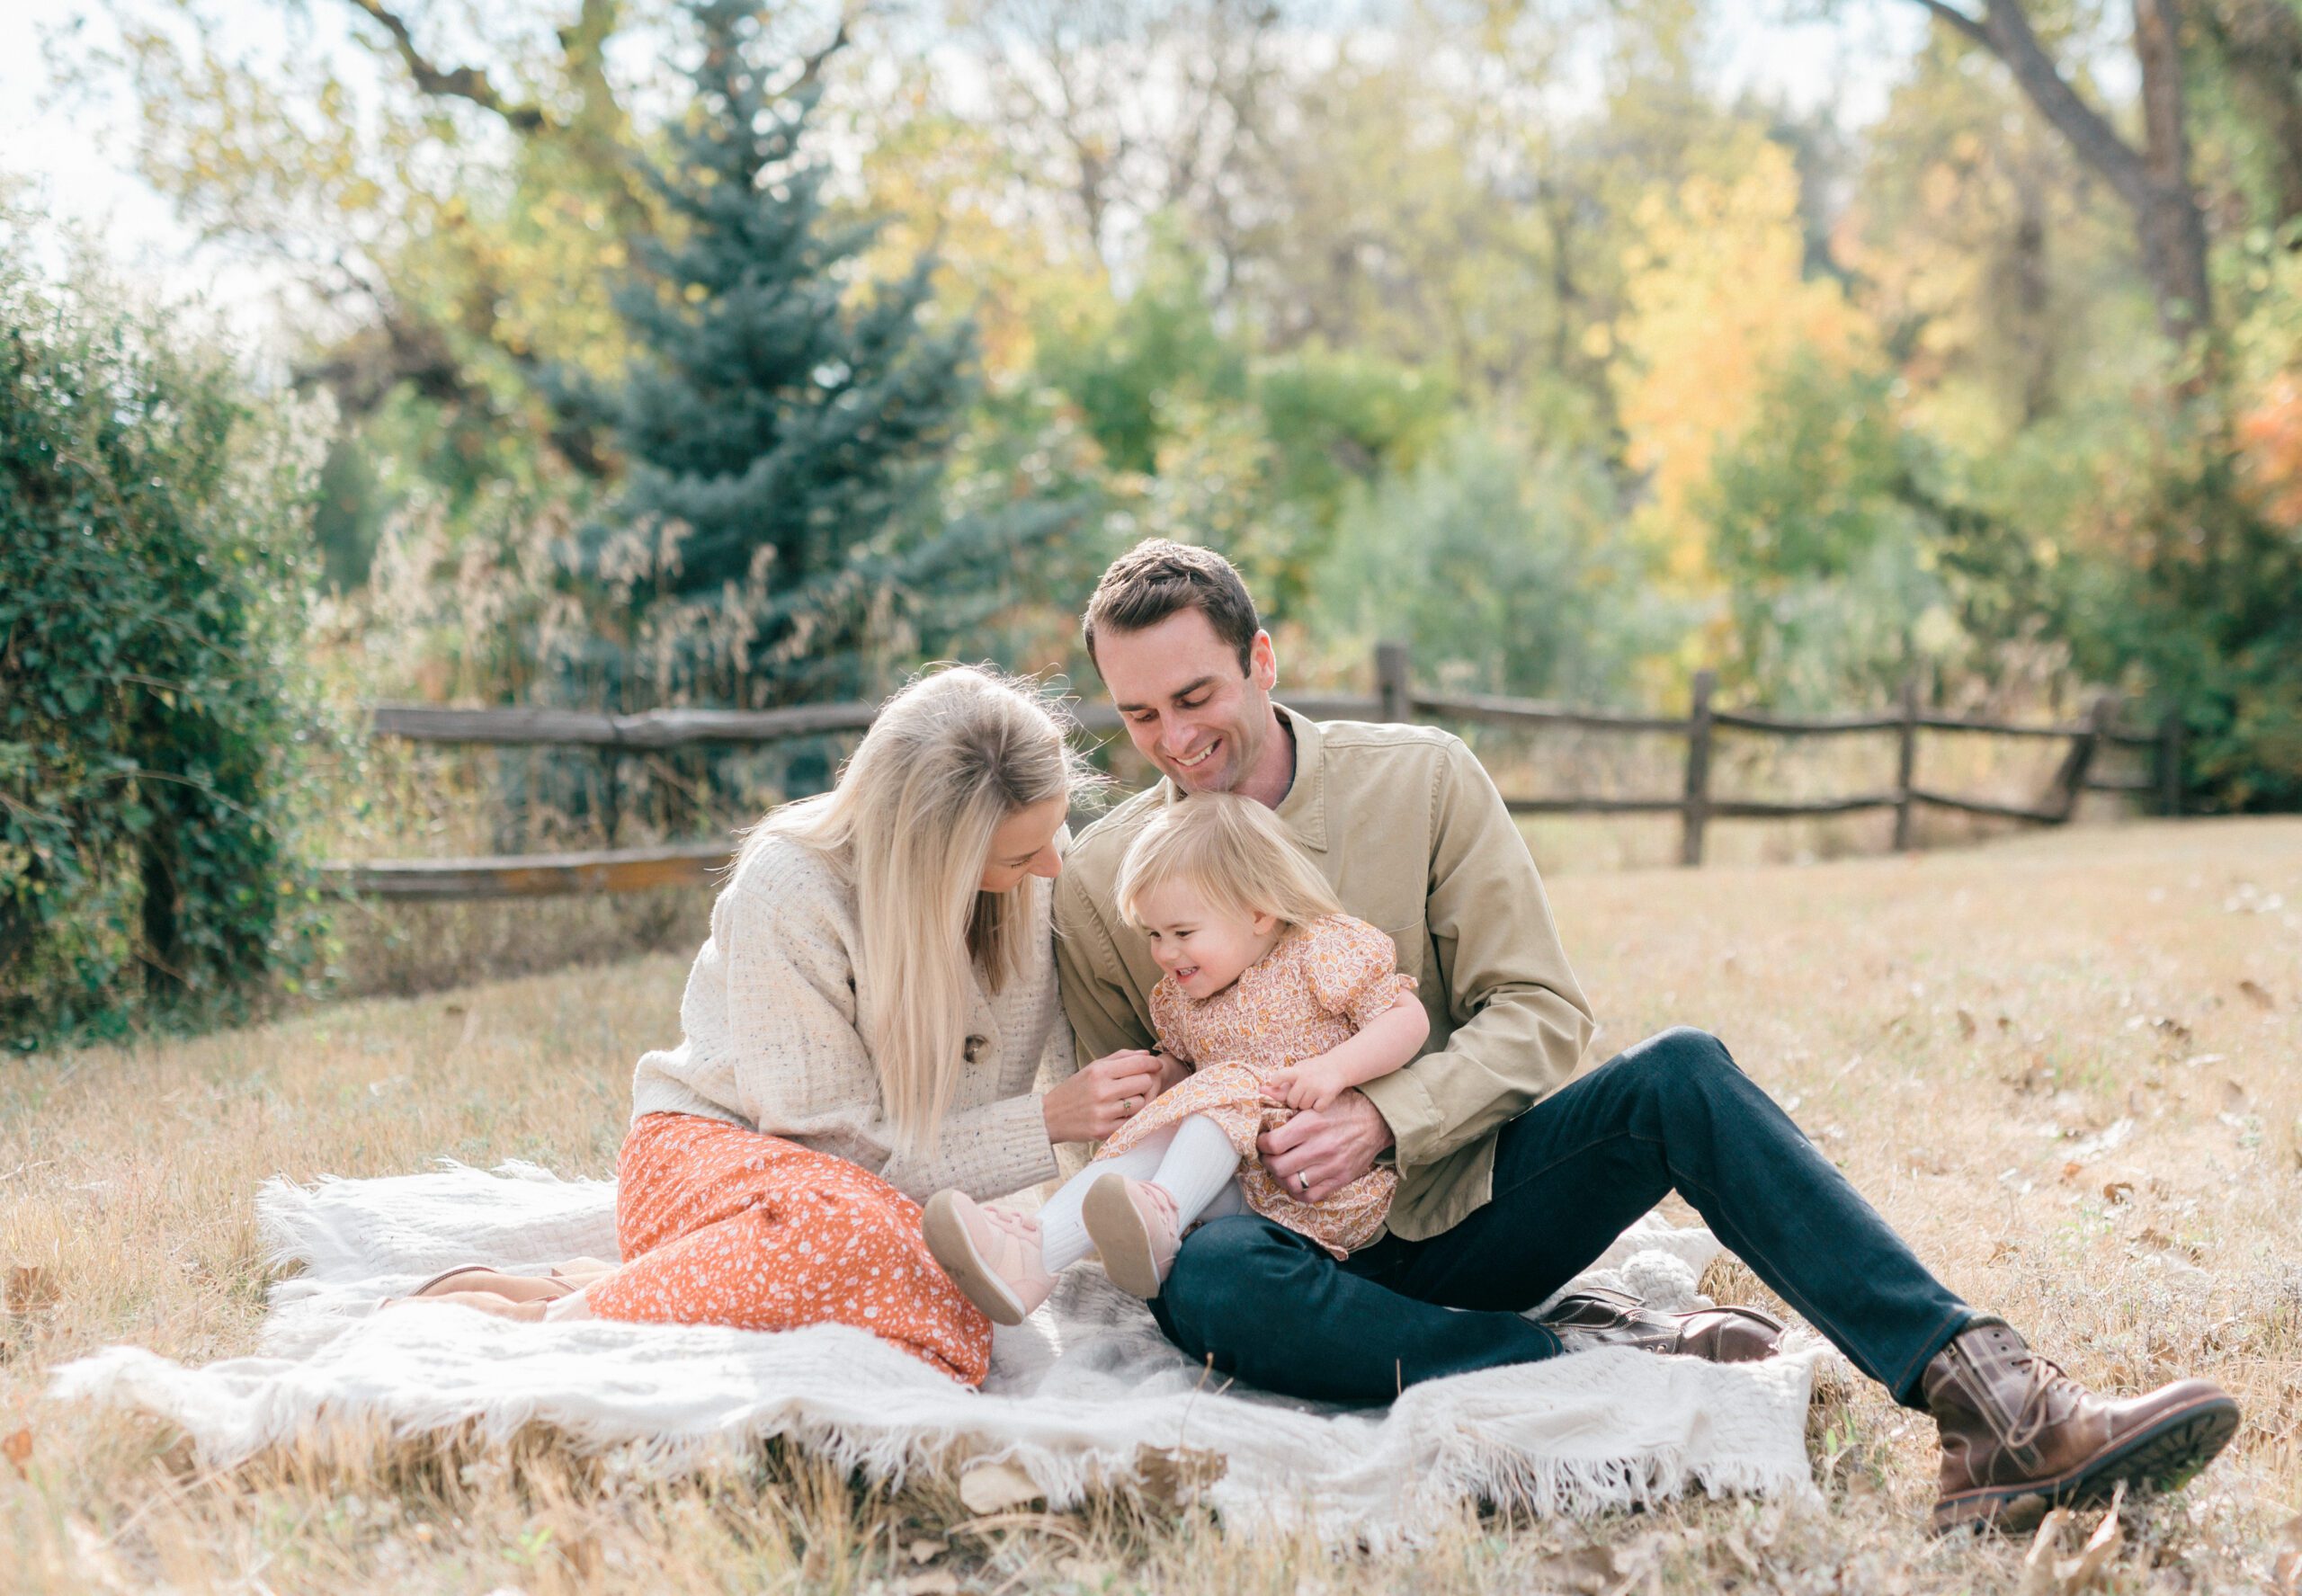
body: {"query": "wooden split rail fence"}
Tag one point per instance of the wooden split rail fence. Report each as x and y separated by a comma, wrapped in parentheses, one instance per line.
(1395, 699)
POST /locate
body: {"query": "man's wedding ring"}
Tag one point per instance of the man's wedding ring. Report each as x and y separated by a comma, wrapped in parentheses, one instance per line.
(1303, 1178)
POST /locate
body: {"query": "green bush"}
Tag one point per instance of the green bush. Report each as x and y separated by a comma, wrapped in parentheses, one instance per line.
(1501, 569)
(156, 720)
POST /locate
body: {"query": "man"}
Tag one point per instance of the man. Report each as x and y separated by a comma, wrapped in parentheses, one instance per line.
(1512, 1177)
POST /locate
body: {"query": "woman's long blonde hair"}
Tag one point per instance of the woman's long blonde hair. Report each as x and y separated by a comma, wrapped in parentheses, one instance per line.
(1233, 853)
(909, 826)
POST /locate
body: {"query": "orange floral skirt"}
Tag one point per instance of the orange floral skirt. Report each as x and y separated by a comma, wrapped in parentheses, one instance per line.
(723, 1226)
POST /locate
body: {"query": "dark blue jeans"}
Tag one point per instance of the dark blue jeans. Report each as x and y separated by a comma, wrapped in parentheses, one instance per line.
(1258, 1301)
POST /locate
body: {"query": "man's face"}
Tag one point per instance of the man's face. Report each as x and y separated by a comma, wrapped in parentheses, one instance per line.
(1186, 705)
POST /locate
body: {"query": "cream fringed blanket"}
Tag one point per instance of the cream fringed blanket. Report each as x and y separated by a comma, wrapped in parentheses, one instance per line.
(1073, 1394)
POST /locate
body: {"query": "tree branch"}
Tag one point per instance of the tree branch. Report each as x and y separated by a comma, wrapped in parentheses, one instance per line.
(460, 82)
(2090, 133)
(1961, 21)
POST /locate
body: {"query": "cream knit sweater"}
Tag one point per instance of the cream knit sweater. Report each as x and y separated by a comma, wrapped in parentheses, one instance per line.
(772, 1043)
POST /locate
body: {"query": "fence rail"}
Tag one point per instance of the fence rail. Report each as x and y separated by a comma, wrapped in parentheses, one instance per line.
(630, 869)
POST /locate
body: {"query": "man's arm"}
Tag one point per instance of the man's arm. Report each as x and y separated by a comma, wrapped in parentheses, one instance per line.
(1521, 1019)
(1099, 1006)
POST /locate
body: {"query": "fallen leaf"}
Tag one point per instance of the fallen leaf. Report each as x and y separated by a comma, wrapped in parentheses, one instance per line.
(927, 1551)
(2235, 1100)
(2172, 1029)
(1589, 1571)
(2286, 1568)
(2261, 998)
(2070, 1170)
(17, 1450)
(934, 1582)
(32, 1289)
(1966, 1025)
(2119, 1190)
(1173, 1477)
(996, 1487)
(2101, 1550)
(2039, 1562)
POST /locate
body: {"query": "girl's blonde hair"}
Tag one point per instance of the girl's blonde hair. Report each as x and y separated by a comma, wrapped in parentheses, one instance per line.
(1233, 853)
(909, 826)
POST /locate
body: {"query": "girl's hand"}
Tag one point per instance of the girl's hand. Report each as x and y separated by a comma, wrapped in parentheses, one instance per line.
(1173, 1072)
(1304, 1085)
(1102, 1097)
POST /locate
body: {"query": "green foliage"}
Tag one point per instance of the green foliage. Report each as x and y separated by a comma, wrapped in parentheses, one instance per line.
(1504, 572)
(154, 724)
(2205, 601)
(1846, 570)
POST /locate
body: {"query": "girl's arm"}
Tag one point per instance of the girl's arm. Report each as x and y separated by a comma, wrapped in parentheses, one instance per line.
(1388, 1041)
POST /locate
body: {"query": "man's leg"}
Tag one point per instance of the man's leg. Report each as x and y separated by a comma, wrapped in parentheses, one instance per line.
(1675, 1113)
(1256, 1300)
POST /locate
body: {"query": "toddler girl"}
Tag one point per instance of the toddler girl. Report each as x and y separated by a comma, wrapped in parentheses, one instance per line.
(1277, 999)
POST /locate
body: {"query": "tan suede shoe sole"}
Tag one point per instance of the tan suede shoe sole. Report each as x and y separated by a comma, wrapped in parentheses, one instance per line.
(1121, 1235)
(970, 1272)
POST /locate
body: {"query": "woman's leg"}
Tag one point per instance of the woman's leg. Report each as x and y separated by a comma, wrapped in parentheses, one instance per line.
(723, 1226)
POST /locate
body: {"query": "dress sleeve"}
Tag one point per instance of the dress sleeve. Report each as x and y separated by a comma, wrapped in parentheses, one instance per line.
(1353, 969)
(1168, 1008)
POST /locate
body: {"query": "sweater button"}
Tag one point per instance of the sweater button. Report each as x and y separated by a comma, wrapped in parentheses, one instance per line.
(974, 1048)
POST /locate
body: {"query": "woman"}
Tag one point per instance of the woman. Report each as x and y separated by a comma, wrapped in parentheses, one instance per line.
(863, 1028)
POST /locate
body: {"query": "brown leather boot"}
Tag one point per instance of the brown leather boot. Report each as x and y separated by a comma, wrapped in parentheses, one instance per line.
(2020, 1436)
(1600, 1318)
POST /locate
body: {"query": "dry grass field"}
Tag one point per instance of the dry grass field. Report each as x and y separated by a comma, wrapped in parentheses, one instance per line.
(2065, 1066)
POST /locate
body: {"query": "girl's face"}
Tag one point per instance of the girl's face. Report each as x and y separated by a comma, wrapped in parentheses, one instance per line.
(1028, 843)
(1205, 949)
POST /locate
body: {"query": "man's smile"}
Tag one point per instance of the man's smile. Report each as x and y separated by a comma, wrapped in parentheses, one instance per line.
(1195, 760)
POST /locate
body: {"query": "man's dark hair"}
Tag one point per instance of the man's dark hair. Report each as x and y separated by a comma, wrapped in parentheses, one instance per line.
(1157, 578)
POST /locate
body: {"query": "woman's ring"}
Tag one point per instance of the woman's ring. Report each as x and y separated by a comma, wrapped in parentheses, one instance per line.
(1127, 1105)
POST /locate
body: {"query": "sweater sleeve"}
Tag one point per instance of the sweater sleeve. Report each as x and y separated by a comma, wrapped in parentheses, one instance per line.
(805, 1073)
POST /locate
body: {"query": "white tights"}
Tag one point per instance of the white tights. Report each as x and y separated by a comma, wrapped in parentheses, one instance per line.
(1193, 1160)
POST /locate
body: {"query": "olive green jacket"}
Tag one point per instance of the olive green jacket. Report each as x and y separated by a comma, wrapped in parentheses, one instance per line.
(1408, 828)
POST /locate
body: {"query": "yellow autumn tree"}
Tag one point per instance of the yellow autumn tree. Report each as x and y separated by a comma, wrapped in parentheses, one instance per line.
(1716, 302)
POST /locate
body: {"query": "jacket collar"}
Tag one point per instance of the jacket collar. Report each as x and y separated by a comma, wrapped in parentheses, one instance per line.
(1303, 810)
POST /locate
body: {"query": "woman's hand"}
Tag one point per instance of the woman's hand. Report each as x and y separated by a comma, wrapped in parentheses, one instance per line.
(1103, 1096)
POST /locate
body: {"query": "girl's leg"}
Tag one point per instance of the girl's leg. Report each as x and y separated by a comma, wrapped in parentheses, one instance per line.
(1063, 1238)
(1200, 1163)
(1138, 1224)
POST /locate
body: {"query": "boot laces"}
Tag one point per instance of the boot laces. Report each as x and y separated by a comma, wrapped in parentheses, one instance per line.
(2036, 1408)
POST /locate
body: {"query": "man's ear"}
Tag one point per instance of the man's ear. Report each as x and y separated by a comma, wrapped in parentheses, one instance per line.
(1262, 661)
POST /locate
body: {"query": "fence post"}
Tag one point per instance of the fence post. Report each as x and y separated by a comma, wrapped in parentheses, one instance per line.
(1697, 810)
(2170, 764)
(2071, 780)
(1905, 764)
(1391, 674)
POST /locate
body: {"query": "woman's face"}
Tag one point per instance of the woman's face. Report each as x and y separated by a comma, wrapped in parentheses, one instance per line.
(1028, 843)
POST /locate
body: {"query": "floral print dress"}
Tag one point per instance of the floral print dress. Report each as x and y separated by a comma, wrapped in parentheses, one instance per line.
(1311, 993)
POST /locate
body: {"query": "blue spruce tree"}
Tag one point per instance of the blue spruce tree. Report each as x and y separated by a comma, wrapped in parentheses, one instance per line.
(796, 431)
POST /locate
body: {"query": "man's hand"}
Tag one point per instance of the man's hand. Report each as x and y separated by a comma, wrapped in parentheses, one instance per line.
(1320, 1151)
(1314, 1083)
(1103, 1096)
